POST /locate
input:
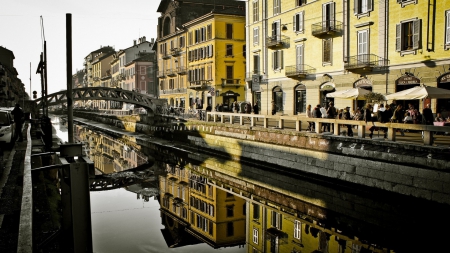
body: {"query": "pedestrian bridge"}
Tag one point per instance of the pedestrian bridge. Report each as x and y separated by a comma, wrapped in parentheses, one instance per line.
(104, 93)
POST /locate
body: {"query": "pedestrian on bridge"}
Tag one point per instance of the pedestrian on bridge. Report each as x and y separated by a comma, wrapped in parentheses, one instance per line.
(18, 119)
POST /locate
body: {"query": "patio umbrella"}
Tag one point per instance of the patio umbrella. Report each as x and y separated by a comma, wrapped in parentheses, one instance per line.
(354, 93)
(420, 92)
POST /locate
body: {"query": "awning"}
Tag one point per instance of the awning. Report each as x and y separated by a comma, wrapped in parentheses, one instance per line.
(230, 93)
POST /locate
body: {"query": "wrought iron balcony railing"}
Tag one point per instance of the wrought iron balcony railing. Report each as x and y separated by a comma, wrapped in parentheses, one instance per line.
(174, 91)
(277, 41)
(175, 51)
(230, 82)
(171, 72)
(181, 70)
(166, 55)
(365, 61)
(299, 70)
(326, 27)
(199, 83)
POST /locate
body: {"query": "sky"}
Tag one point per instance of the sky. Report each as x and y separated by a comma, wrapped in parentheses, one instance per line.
(94, 24)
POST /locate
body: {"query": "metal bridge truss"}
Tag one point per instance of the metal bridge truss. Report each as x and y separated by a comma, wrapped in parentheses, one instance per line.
(104, 93)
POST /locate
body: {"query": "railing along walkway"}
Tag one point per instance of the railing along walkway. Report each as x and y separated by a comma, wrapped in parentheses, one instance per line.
(359, 128)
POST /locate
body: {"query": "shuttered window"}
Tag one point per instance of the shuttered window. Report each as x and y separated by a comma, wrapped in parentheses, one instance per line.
(255, 64)
(298, 22)
(208, 32)
(229, 70)
(256, 36)
(297, 229)
(407, 35)
(447, 29)
(300, 2)
(255, 235)
(277, 60)
(229, 30)
(362, 6)
(229, 51)
(255, 11)
(326, 51)
(276, 7)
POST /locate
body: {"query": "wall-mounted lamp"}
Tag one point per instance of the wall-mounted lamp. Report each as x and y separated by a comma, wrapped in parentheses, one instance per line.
(327, 75)
(284, 28)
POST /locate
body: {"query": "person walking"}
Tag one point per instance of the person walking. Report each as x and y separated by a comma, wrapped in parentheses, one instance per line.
(427, 115)
(255, 109)
(274, 108)
(309, 115)
(346, 115)
(18, 119)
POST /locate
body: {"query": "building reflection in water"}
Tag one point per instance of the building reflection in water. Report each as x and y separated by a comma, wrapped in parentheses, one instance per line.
(110, 154)
(191, 208)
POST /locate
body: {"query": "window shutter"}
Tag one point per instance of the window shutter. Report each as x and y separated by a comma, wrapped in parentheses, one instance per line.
(398, 37)
(280, 59)
(255, 63)
(273, 60)
(294, 22)
(324, 14)
(416, 34)
(301, 20)
(274, 30)
(356, 7)
(244, 50)
(332, 14)
(447, 28)
(369, 5)
(211, 50)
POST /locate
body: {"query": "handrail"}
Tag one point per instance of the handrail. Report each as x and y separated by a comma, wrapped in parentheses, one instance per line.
(229, 117)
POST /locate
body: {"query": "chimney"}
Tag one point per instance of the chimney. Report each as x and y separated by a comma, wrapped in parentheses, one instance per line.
(134, 42)
(143, 39)
(153, 40)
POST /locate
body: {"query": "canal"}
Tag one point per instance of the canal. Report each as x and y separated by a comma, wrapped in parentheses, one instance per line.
(172, 202)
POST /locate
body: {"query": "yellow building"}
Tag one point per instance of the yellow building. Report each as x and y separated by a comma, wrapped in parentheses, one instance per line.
(301, 50)
(209, 214)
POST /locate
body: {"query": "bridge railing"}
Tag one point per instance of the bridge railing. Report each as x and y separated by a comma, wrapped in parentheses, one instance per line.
(338, 126)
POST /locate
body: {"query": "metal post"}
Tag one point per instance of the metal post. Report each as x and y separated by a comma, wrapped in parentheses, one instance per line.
(42, 85)
(69, 77)
(45, 79)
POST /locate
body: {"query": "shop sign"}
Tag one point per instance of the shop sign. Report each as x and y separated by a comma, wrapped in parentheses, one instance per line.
(363, 82)
(407, 80)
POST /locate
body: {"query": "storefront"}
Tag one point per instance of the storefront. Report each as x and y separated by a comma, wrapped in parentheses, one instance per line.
(300, 99)
(326, 88)
(443, 105)
(405, 82)
(228, 98)
(362, 83)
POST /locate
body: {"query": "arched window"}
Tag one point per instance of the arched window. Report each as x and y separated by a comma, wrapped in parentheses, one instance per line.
(300, 99)
(277, 97)
(326, 88)
(166, 26)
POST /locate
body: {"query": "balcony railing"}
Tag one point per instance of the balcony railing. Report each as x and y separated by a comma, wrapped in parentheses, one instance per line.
(181, 70)
(166, 56)
(365, 62)
(199, 83)
(299, 70)
(175, 51)
(230, 82)
(171, 72)
(326, 27)
(160, 74)
(174, 91)
(277, 41)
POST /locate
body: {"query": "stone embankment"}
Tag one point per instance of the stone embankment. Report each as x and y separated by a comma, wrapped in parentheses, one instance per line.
(409, 169)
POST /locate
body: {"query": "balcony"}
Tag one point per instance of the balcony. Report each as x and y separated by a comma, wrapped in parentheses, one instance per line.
(160, 74)
(175, 51)
(365, 62)
(230, 82)
(249, 75)
(277, 41)
(174, 91)
(328, 27)
(199, 84)
(299, 71)
(166, 56)
(171, 72)
(181, 70)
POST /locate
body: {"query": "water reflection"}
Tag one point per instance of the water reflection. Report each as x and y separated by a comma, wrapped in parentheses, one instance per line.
(196, 206)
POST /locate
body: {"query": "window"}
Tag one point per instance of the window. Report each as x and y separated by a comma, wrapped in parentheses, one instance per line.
(328, 21)
(297, 229)
(299, 57)
(407, 35)
(229, 51)
(298, 22)
(255, 235)
(209, 32)
(230, 229)
(277, 60)
(255, 11)
(229, 31)
(182, 41)
(276, 220)
(363, 6)
(256, 64)
(406, 2)
(300, 2)
(363, 46)
(256, 211)
(326, 53)
(256, 36)
(276, 35)
(447, 30)
(230, 211)
(276, 7)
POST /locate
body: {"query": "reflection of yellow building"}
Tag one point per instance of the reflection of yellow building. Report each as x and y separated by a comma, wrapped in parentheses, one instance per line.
(211, 215)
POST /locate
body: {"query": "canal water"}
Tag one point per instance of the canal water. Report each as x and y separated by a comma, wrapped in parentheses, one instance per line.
(170, 206)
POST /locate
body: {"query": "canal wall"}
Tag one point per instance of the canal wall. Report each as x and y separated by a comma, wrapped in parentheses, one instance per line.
(408, 169)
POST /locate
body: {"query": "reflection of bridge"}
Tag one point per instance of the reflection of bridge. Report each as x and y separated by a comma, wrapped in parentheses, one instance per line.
(104, 93)
(122, 179)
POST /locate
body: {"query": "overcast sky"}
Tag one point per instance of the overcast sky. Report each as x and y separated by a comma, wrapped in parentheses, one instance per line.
(94, 24)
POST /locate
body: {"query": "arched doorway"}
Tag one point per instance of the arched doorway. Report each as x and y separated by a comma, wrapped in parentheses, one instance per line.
(362, 83)
(191, 100)
(326, 88)
(300, 99)
(228, 98)
(277, 97)
(405, 82)
(443, 105)
(171, 102)
(166, 26)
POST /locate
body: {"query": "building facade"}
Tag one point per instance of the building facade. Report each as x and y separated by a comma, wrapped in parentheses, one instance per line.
(301, 50)
(12, 90)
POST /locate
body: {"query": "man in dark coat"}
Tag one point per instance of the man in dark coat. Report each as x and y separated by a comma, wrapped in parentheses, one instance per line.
(18, 119)
(427, 115)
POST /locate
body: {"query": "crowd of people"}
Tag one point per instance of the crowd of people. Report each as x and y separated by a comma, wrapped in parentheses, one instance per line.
(393, 112)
